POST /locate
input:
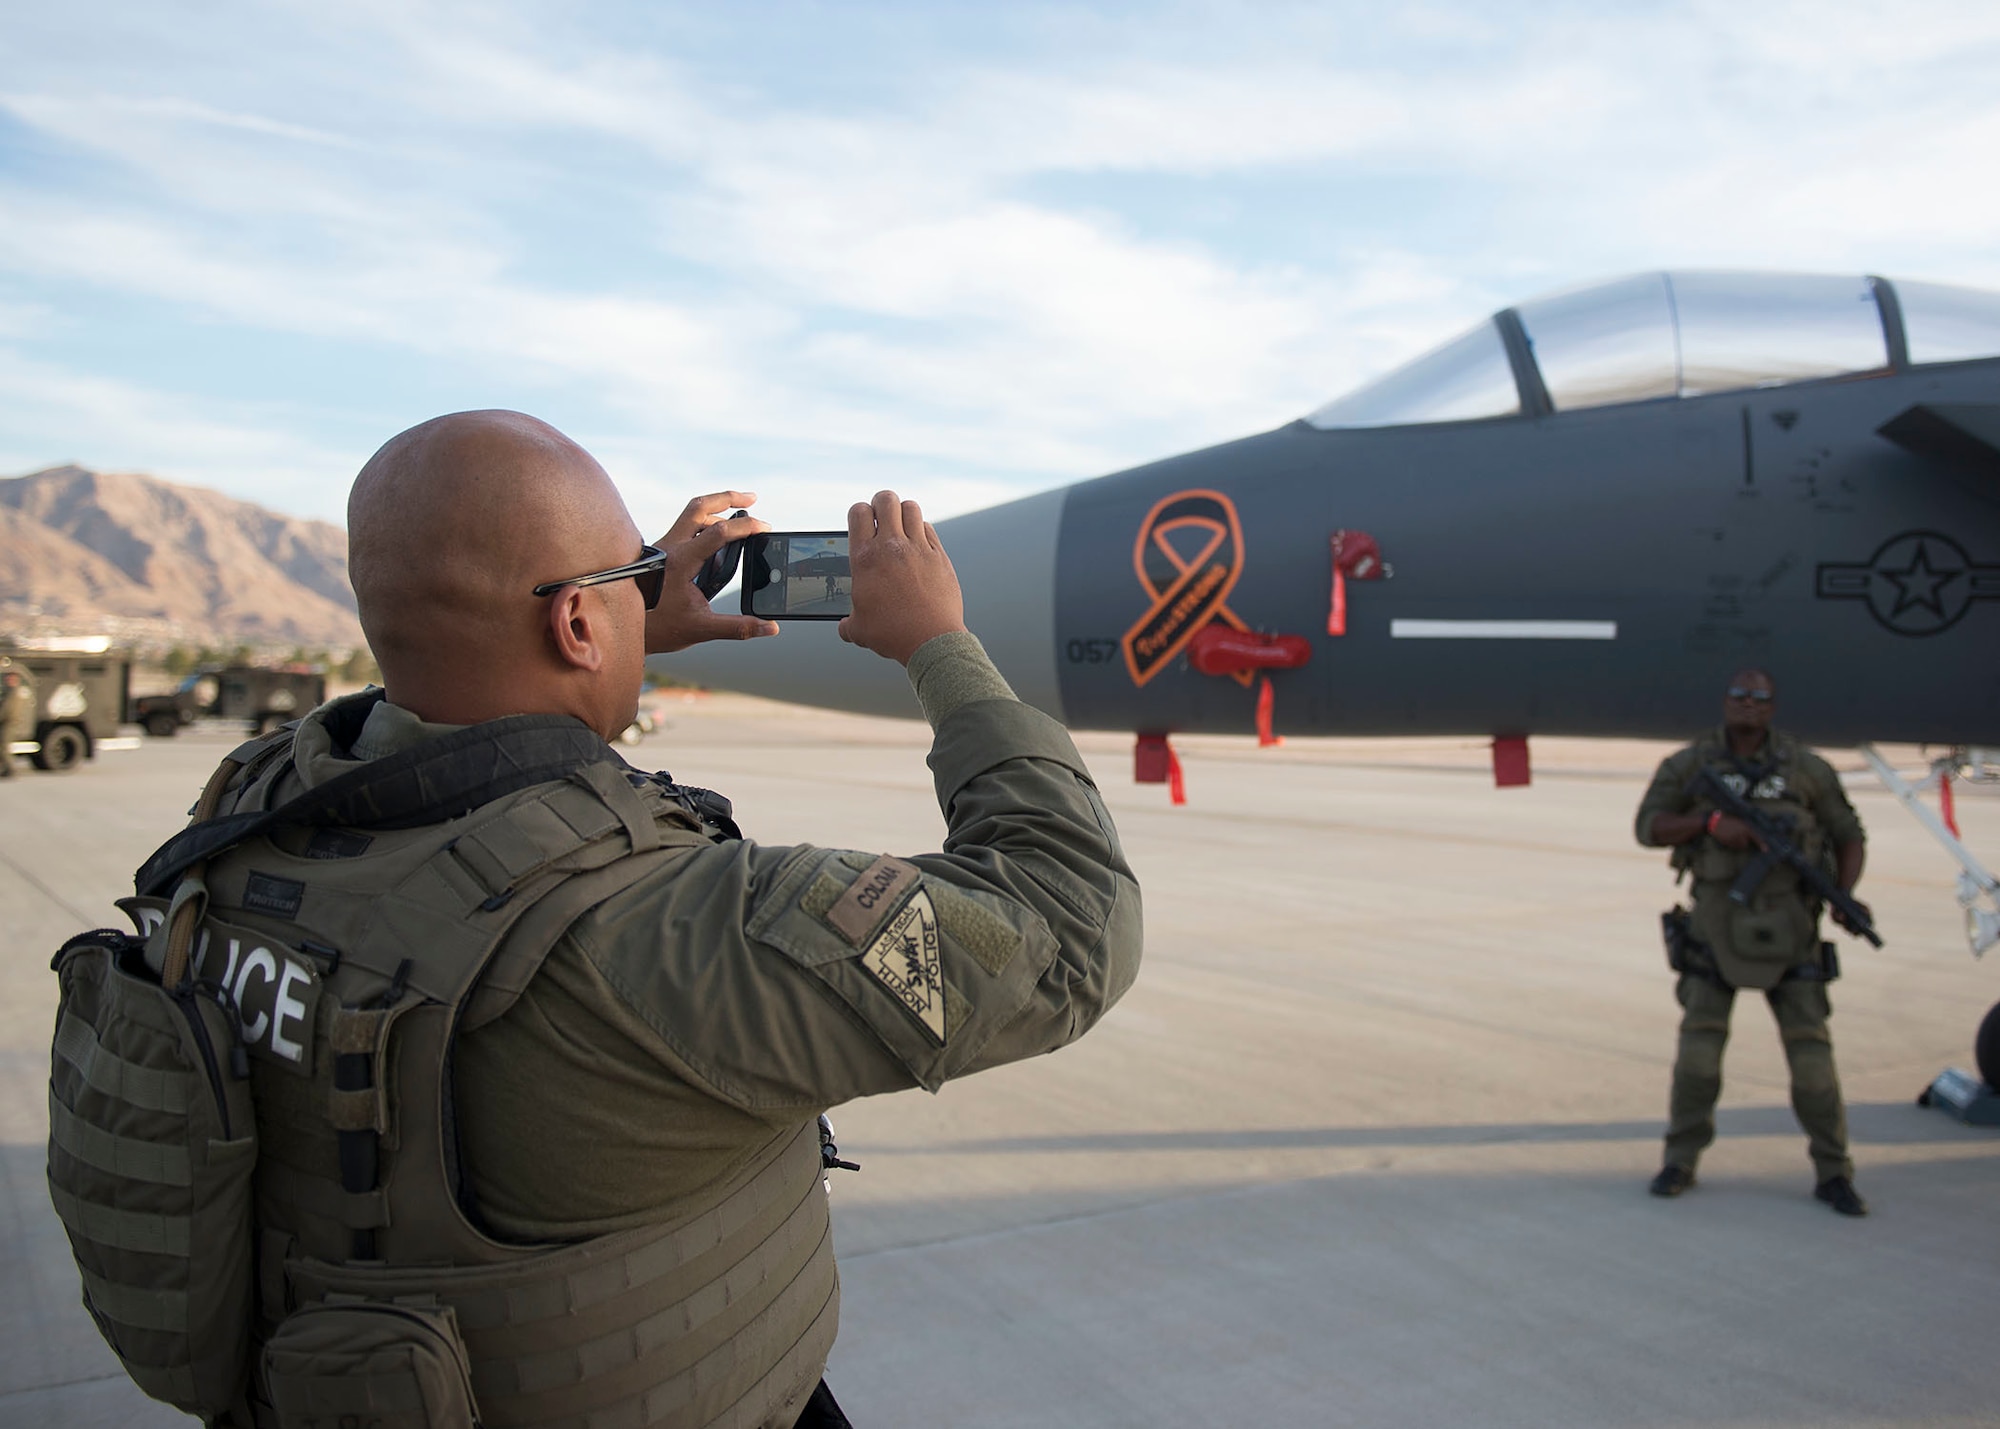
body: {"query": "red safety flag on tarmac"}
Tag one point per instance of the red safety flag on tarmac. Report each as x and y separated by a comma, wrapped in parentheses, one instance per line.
(1266, 702)
(1154, 762)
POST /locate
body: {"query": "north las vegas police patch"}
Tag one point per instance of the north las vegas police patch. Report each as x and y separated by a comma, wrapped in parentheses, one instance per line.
(904, 959)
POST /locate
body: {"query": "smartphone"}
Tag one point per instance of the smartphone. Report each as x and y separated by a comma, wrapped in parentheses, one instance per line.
(797, 575)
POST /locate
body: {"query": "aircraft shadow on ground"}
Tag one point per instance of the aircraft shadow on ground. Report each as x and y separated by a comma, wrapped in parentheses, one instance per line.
(1869, 1123)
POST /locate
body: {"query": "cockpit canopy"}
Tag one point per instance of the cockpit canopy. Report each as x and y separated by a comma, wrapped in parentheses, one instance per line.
(1661, 335)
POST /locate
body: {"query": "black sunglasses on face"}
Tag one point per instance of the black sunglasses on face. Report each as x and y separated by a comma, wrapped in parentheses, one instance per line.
(1762, 697)
(650, 571)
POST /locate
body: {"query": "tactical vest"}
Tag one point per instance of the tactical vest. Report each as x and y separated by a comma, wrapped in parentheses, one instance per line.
(1756, 945)
(351, 957)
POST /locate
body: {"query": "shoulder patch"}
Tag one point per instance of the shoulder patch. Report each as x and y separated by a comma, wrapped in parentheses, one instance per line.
(859, 911)
(904, 959)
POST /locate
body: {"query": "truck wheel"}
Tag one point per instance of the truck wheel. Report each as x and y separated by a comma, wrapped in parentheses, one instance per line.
(1986, 1048)
(163, 724)
(62, 750)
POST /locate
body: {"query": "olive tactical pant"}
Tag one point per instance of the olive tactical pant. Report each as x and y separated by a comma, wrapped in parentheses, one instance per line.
(1801, 1009)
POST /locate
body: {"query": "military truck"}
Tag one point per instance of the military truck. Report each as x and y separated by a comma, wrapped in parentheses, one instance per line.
(263, 698)
(80, 699)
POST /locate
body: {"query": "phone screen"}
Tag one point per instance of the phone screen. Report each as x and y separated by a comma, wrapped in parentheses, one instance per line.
(797, 575)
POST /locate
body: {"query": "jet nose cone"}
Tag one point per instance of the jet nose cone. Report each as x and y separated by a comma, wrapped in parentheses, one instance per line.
(1006, 562)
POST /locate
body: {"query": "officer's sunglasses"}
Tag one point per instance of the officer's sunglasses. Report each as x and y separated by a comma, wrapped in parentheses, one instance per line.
(649, 571)
(1735, 692)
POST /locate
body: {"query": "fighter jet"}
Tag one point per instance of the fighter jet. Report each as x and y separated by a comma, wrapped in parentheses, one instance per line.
(1577, 518)
(1567, 520)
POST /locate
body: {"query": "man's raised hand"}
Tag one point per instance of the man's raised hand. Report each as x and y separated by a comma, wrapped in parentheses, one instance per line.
(683, 617)
(905, 591)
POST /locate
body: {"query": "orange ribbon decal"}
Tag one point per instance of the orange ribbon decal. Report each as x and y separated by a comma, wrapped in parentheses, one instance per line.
(1187, 590)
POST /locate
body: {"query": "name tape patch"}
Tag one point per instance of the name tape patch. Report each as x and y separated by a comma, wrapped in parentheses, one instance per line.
(280, 897)
(904, 959)
(860, 910)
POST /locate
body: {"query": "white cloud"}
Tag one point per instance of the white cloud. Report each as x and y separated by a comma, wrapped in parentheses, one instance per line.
(46, 412)
(869, 289)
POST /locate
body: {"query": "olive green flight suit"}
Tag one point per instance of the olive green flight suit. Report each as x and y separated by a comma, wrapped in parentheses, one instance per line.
(1772, 946)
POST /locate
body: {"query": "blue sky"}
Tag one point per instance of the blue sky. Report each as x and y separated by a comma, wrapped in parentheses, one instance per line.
(969, 251)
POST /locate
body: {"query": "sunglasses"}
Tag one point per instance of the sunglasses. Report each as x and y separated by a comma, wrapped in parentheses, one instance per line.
(650, 571)
(1762, 697)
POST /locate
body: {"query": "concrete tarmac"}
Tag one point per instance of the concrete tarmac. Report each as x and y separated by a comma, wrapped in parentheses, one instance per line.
(1367, 1145)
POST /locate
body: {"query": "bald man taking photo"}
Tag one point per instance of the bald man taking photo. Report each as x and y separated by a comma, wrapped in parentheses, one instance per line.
(539, 1057)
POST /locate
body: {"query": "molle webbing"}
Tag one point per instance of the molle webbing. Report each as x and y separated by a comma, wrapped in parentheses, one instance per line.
(149, 1160)
(713, 1320)
(151, 1154)
(150, 1088)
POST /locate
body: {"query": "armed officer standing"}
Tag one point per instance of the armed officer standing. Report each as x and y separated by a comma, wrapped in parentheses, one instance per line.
(1764, 937)
(538, 1044)
(17, 712)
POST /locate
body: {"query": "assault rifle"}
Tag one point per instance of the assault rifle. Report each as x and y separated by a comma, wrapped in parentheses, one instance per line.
(1773, 834)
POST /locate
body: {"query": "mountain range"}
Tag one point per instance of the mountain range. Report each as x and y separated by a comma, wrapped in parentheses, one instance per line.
(152, 563)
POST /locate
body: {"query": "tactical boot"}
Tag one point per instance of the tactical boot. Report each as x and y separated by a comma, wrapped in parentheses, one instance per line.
(1673, 1180)
(1839, 1192)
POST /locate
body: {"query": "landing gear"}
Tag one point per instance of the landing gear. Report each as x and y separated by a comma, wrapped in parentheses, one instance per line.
(1982, 924)
(1974, 1100)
